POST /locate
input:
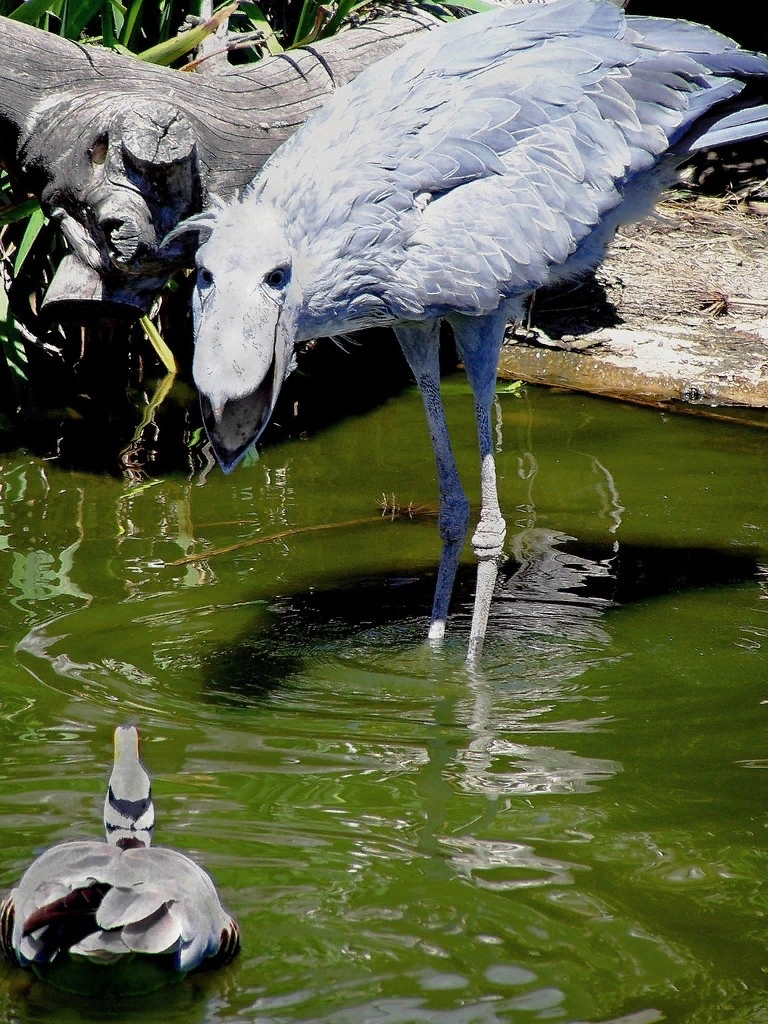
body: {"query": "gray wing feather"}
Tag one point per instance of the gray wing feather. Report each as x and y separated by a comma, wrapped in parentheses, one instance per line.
(461, 170)
(101, 945)
(137, 901)
(159, 933)
(721, 131)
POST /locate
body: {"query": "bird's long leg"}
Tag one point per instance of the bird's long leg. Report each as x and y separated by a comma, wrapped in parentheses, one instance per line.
(478, 340)
(421, 346)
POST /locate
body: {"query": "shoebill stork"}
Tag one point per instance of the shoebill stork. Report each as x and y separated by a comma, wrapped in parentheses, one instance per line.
(106, 901)
(485, 159)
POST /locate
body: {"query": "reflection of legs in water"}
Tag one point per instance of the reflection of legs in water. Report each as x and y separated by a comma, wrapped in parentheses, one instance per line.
(612, 507)
(479, 753)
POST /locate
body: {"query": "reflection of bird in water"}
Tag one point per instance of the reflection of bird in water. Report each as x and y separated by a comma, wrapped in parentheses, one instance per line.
(556, 593)
(485, 159)
(108, 901)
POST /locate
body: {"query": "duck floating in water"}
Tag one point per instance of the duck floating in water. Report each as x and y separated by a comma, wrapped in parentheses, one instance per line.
(106, 902)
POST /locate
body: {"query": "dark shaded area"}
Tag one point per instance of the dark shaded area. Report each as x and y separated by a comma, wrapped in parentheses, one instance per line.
(574, 308)
(743, 21)
(90, 388)
(283, 16)
(89, 385)
(557, 587)
(88, 400)
(129, 977)
(736, 170)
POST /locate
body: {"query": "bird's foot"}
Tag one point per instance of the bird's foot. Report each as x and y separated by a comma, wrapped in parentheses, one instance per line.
(449, 560)
(488, 544)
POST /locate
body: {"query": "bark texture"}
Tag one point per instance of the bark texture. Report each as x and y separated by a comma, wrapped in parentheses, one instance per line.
(120, 150)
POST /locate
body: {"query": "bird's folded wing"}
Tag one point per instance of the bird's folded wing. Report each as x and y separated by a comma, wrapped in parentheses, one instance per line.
(158, 933)
(127, 905)
(101, 945)
(488, 151)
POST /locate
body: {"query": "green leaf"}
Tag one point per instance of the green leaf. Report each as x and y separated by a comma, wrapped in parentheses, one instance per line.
(31, 11)
(343, 11)
(131, 492)
(12, 343)
(159, 345)
(118, 13)
(158, 398)
(36, 221)
(112, 21)
(169, 51)
(474, 5)
(79, 13)
(15, 354)
(19, 211)
(195, 437)
(130, 22)
(514, 387)
(178, 46)
(305, 29)
(107, 26)
(258, 18)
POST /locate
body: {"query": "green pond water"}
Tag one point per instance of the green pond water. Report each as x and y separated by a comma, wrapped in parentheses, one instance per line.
(574, 831)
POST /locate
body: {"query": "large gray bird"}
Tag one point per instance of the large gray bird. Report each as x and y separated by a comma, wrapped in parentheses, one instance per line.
(107, 901)
(483, 160)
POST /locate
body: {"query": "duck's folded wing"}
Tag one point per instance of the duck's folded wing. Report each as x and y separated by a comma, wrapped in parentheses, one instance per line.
(54, 905)
(96, 900)
(162, 901)
(132, 899)
(205, 929)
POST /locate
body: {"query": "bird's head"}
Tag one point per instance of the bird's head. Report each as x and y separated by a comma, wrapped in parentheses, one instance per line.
(245, 306)
(129, 814)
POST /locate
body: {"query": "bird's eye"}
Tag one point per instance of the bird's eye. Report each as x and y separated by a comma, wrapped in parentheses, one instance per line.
(277, 278)
(204, 278)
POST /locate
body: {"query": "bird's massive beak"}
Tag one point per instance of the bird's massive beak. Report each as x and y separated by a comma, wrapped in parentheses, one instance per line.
(239, 368)
(233, 426)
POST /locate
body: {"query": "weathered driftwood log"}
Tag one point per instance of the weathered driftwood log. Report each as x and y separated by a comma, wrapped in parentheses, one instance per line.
(120, 150)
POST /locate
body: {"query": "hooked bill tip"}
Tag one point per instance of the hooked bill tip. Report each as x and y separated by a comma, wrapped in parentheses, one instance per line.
(234, 424)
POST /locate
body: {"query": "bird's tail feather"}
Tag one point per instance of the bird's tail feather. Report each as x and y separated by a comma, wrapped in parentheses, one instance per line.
(723, 128)
(7, 917)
